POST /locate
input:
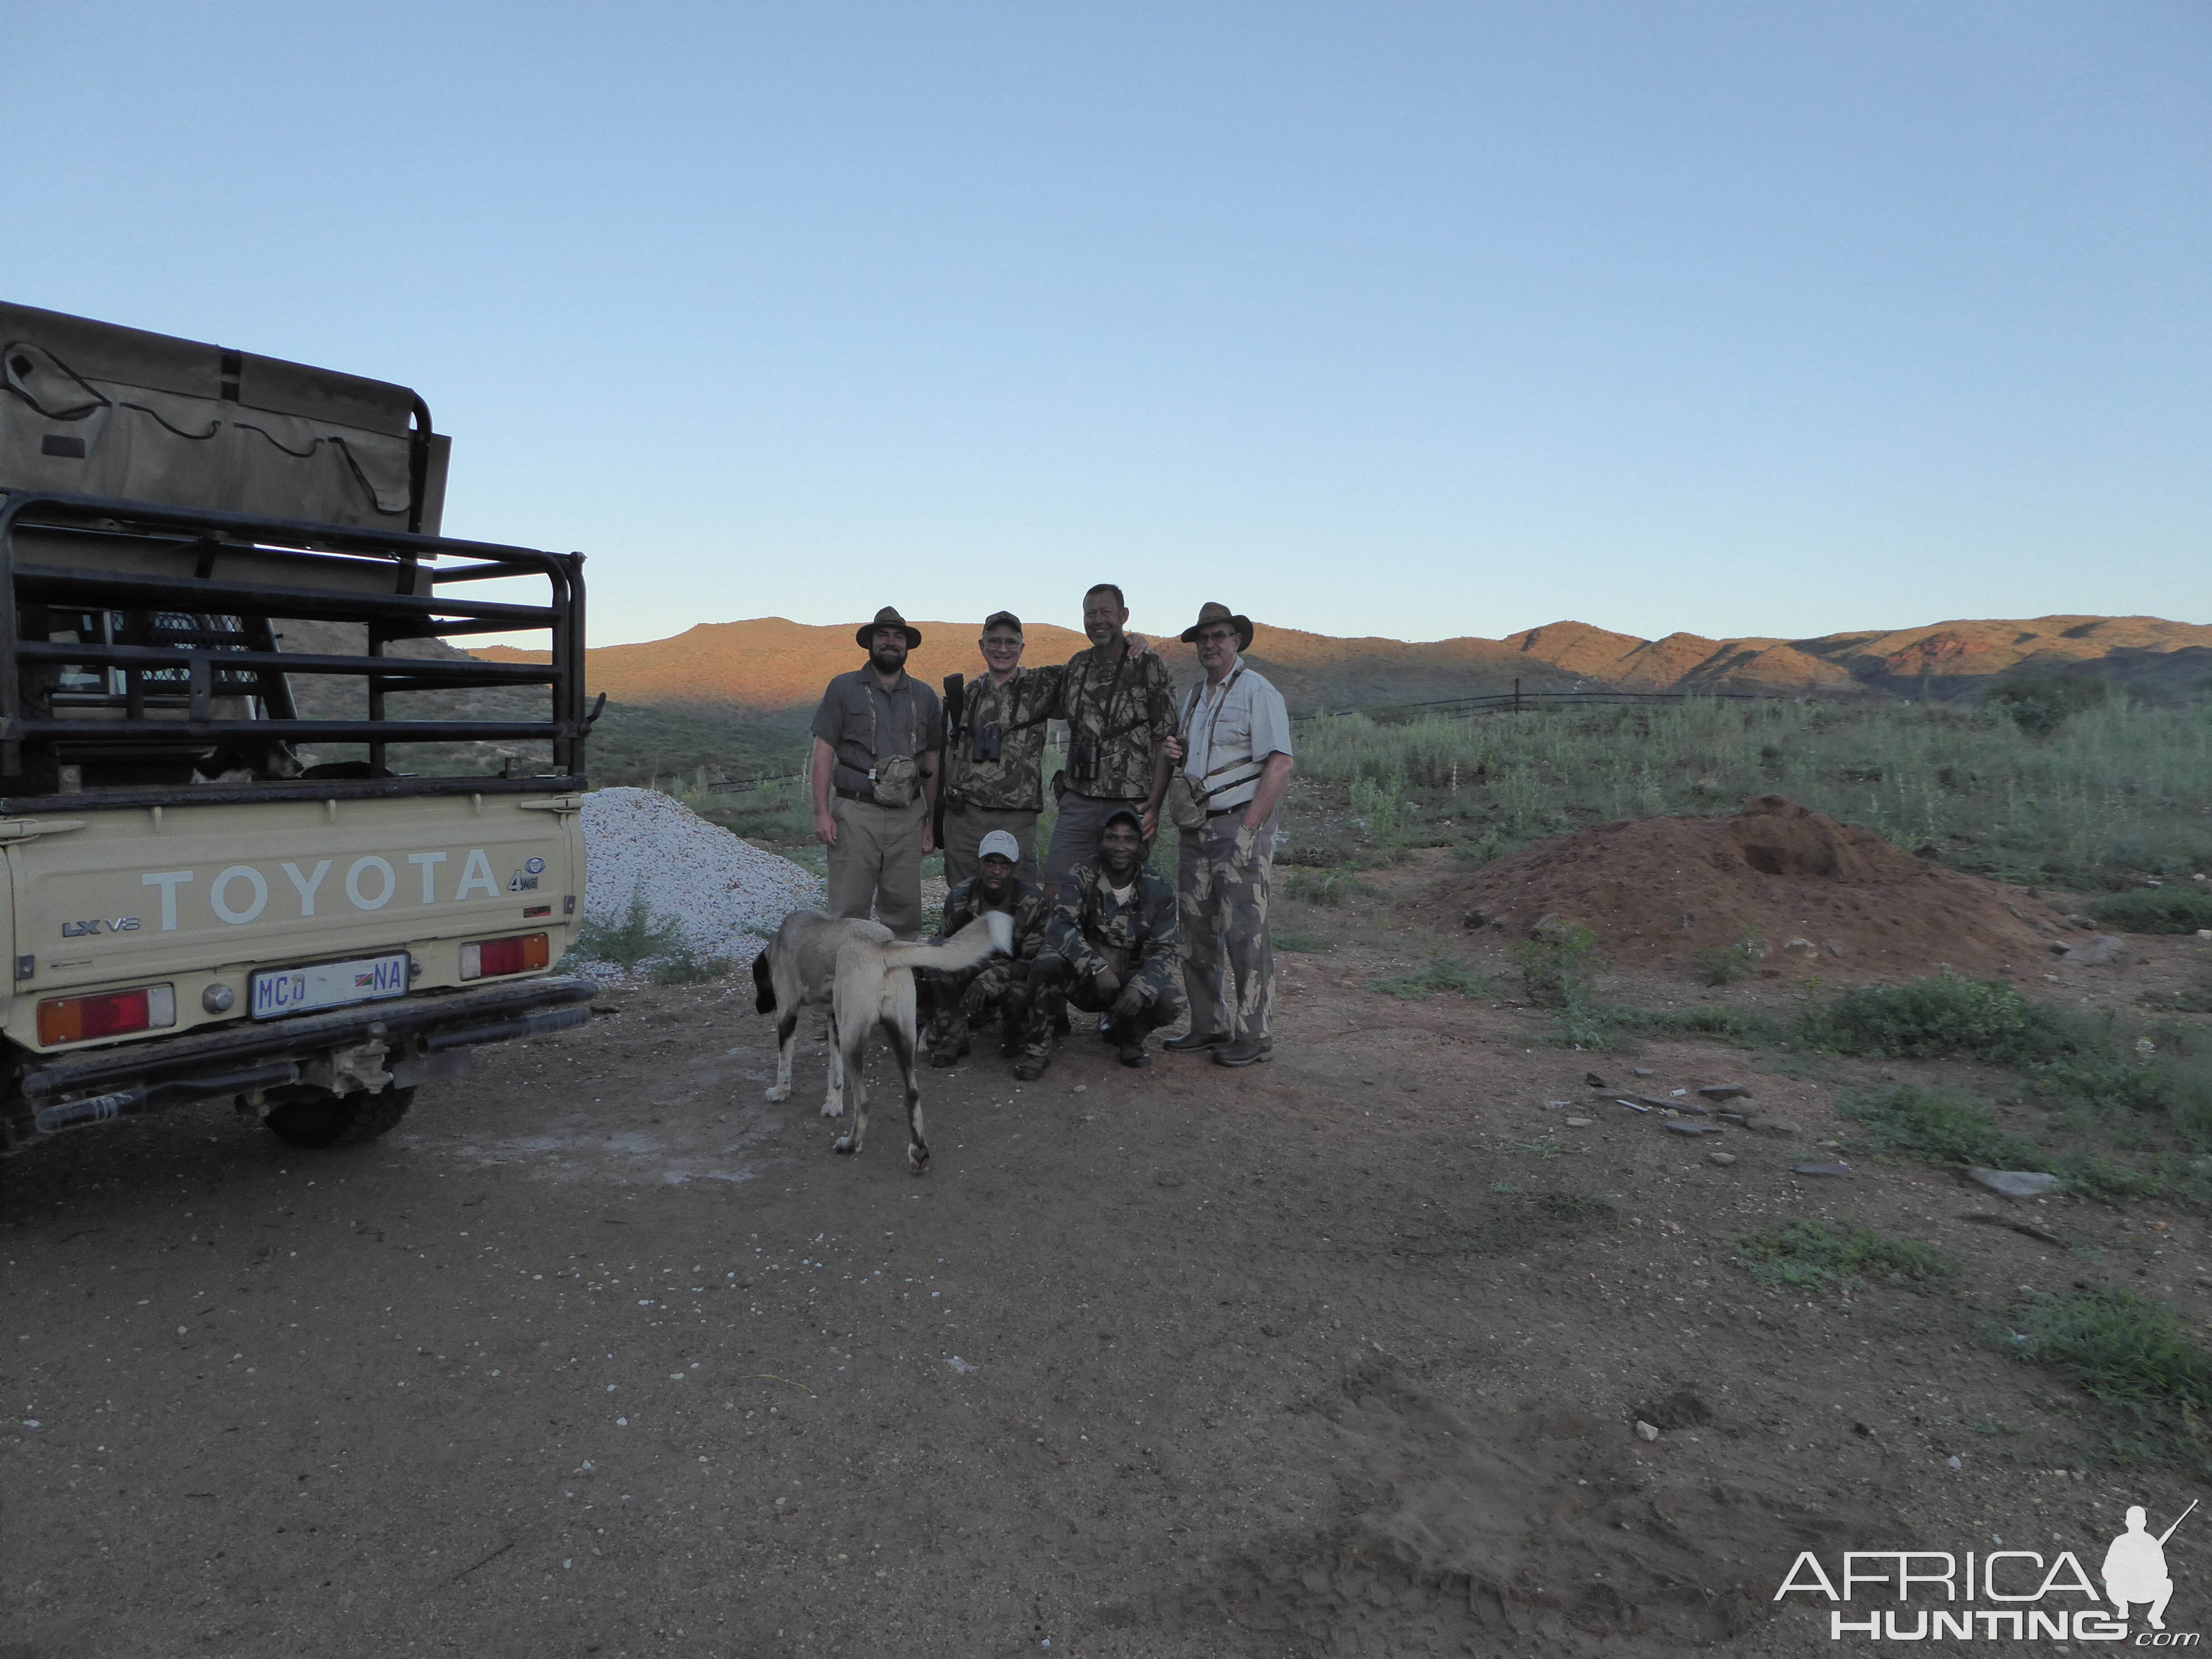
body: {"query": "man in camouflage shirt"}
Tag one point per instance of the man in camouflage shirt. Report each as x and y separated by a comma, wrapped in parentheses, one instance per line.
(958, 1000)
(994, 761)
(994, 755)
(1119, 705)
(1109, 948)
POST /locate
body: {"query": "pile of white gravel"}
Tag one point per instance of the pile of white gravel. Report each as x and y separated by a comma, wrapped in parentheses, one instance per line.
(695, 872)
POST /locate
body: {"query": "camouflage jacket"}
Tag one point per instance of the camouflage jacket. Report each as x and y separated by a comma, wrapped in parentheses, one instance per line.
(1091, 929)
(1129, 708)
(1027, 907)
(1015, 781)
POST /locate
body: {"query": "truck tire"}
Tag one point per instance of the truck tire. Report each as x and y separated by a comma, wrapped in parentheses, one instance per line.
(322, 1119)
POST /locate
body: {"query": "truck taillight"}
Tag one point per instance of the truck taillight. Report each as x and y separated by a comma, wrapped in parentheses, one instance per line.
(109, 1013)
(489, 958)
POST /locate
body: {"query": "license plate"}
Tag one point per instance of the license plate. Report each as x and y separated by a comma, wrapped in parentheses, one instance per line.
(329, 985)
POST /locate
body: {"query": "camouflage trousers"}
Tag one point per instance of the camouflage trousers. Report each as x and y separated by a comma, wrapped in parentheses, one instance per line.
(1221, 918)
(1055, 989)
(940, 993)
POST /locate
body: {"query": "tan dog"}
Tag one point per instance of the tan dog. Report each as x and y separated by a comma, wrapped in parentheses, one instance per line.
(867, 980)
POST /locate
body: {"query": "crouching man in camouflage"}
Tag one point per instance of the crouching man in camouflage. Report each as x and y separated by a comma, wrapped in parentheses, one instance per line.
(960, 1001)
(1109, 948)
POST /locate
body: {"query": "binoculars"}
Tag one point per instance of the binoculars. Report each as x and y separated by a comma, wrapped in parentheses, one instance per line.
(1083, 758)
(985, 743)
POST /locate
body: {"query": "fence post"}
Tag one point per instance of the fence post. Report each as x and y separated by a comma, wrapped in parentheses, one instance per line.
(1517, 695)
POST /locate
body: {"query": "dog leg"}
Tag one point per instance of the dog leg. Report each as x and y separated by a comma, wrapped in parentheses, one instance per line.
(855, 1064)
(786, 1031)
(833, 1103)
(917, 1149)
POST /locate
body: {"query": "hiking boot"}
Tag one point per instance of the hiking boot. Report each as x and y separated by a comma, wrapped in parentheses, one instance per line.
(1246, 1053)
(1135, 1059)
(1029, 1071)
(948, 1057)
(1195, 1041)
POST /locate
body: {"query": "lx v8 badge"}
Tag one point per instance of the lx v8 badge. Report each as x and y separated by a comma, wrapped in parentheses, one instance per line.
(100, 925)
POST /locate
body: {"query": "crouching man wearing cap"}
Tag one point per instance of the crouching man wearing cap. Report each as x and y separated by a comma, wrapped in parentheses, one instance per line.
(960, 1000)
(1110, 947)
(1232, 754)
(877, 737)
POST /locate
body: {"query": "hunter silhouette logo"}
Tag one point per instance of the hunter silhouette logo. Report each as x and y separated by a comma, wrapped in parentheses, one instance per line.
(2003, 1594)
(2135, 1567)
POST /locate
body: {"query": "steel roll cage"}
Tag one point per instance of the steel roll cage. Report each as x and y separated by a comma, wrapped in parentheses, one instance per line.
(208, 671)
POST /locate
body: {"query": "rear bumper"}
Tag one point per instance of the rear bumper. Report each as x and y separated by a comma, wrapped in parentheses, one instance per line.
(90, 1086)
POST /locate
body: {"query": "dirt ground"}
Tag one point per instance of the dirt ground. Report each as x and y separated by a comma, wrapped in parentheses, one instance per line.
(1340, 1355)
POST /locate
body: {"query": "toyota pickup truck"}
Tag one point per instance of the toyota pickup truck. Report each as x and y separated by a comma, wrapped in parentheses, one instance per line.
(269, 839)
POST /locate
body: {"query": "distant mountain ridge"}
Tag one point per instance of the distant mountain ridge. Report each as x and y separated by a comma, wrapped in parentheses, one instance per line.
(770, 666)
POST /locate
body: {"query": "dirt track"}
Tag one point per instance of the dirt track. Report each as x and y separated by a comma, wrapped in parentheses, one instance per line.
(1335, 1356)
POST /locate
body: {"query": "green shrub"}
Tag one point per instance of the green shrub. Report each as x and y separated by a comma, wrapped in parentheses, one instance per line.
(1747, 1028)
(1558, 964)
(2156, 910)
(1941, 1126)
(1328, 887)
(2039, 707)
(1943, 1017)
(1443, 974)
(1828, 1258)
(685, 966)
(638, 935)
(1724, 965)
(2110, 1082)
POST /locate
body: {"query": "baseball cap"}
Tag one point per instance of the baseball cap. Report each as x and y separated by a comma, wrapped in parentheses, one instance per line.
(1006, 617)
(1000, 844)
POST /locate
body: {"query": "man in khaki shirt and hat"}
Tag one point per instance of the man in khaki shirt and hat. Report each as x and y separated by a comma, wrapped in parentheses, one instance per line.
(877, 739)
(1231, 751)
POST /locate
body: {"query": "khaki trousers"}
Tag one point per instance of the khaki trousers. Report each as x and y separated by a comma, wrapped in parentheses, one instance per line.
(877, 863)
(965, 826)
(1221, 918)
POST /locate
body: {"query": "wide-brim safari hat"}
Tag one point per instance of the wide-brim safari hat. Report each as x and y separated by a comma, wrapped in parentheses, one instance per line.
(1209, 613)
(886, 618)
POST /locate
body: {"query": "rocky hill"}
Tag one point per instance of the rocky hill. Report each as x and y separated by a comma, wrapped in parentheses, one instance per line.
(768, 665)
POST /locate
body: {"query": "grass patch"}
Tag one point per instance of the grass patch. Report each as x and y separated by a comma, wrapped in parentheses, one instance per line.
(1942, 1126)
(1825, 1257)
(638, 935)
(1744, 1027)
(1300, 941)
(1724, 966)
(1513, 1221)
(2114, 787)
(1328, 888)
(1443, 974)
(1943, 1018)
(2136, 1358)
(2156, 910)
(685, 966)
(2113, 1158)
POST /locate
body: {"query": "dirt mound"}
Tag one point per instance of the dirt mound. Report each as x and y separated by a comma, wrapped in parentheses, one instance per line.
(1815, 897)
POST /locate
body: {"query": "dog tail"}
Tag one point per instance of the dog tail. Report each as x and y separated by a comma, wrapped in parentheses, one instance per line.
(764, 985)
(990, 933)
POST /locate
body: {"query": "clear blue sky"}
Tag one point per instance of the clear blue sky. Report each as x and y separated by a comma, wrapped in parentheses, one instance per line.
(1409, 319)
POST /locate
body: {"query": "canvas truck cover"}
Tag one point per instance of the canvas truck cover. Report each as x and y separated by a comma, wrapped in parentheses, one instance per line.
(95, 408)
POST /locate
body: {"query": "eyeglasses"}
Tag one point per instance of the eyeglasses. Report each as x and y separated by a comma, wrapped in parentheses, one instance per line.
(1216, 636)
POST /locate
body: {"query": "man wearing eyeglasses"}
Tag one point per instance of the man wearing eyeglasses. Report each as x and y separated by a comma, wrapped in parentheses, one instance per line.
(994, 764)
(1233, 749)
